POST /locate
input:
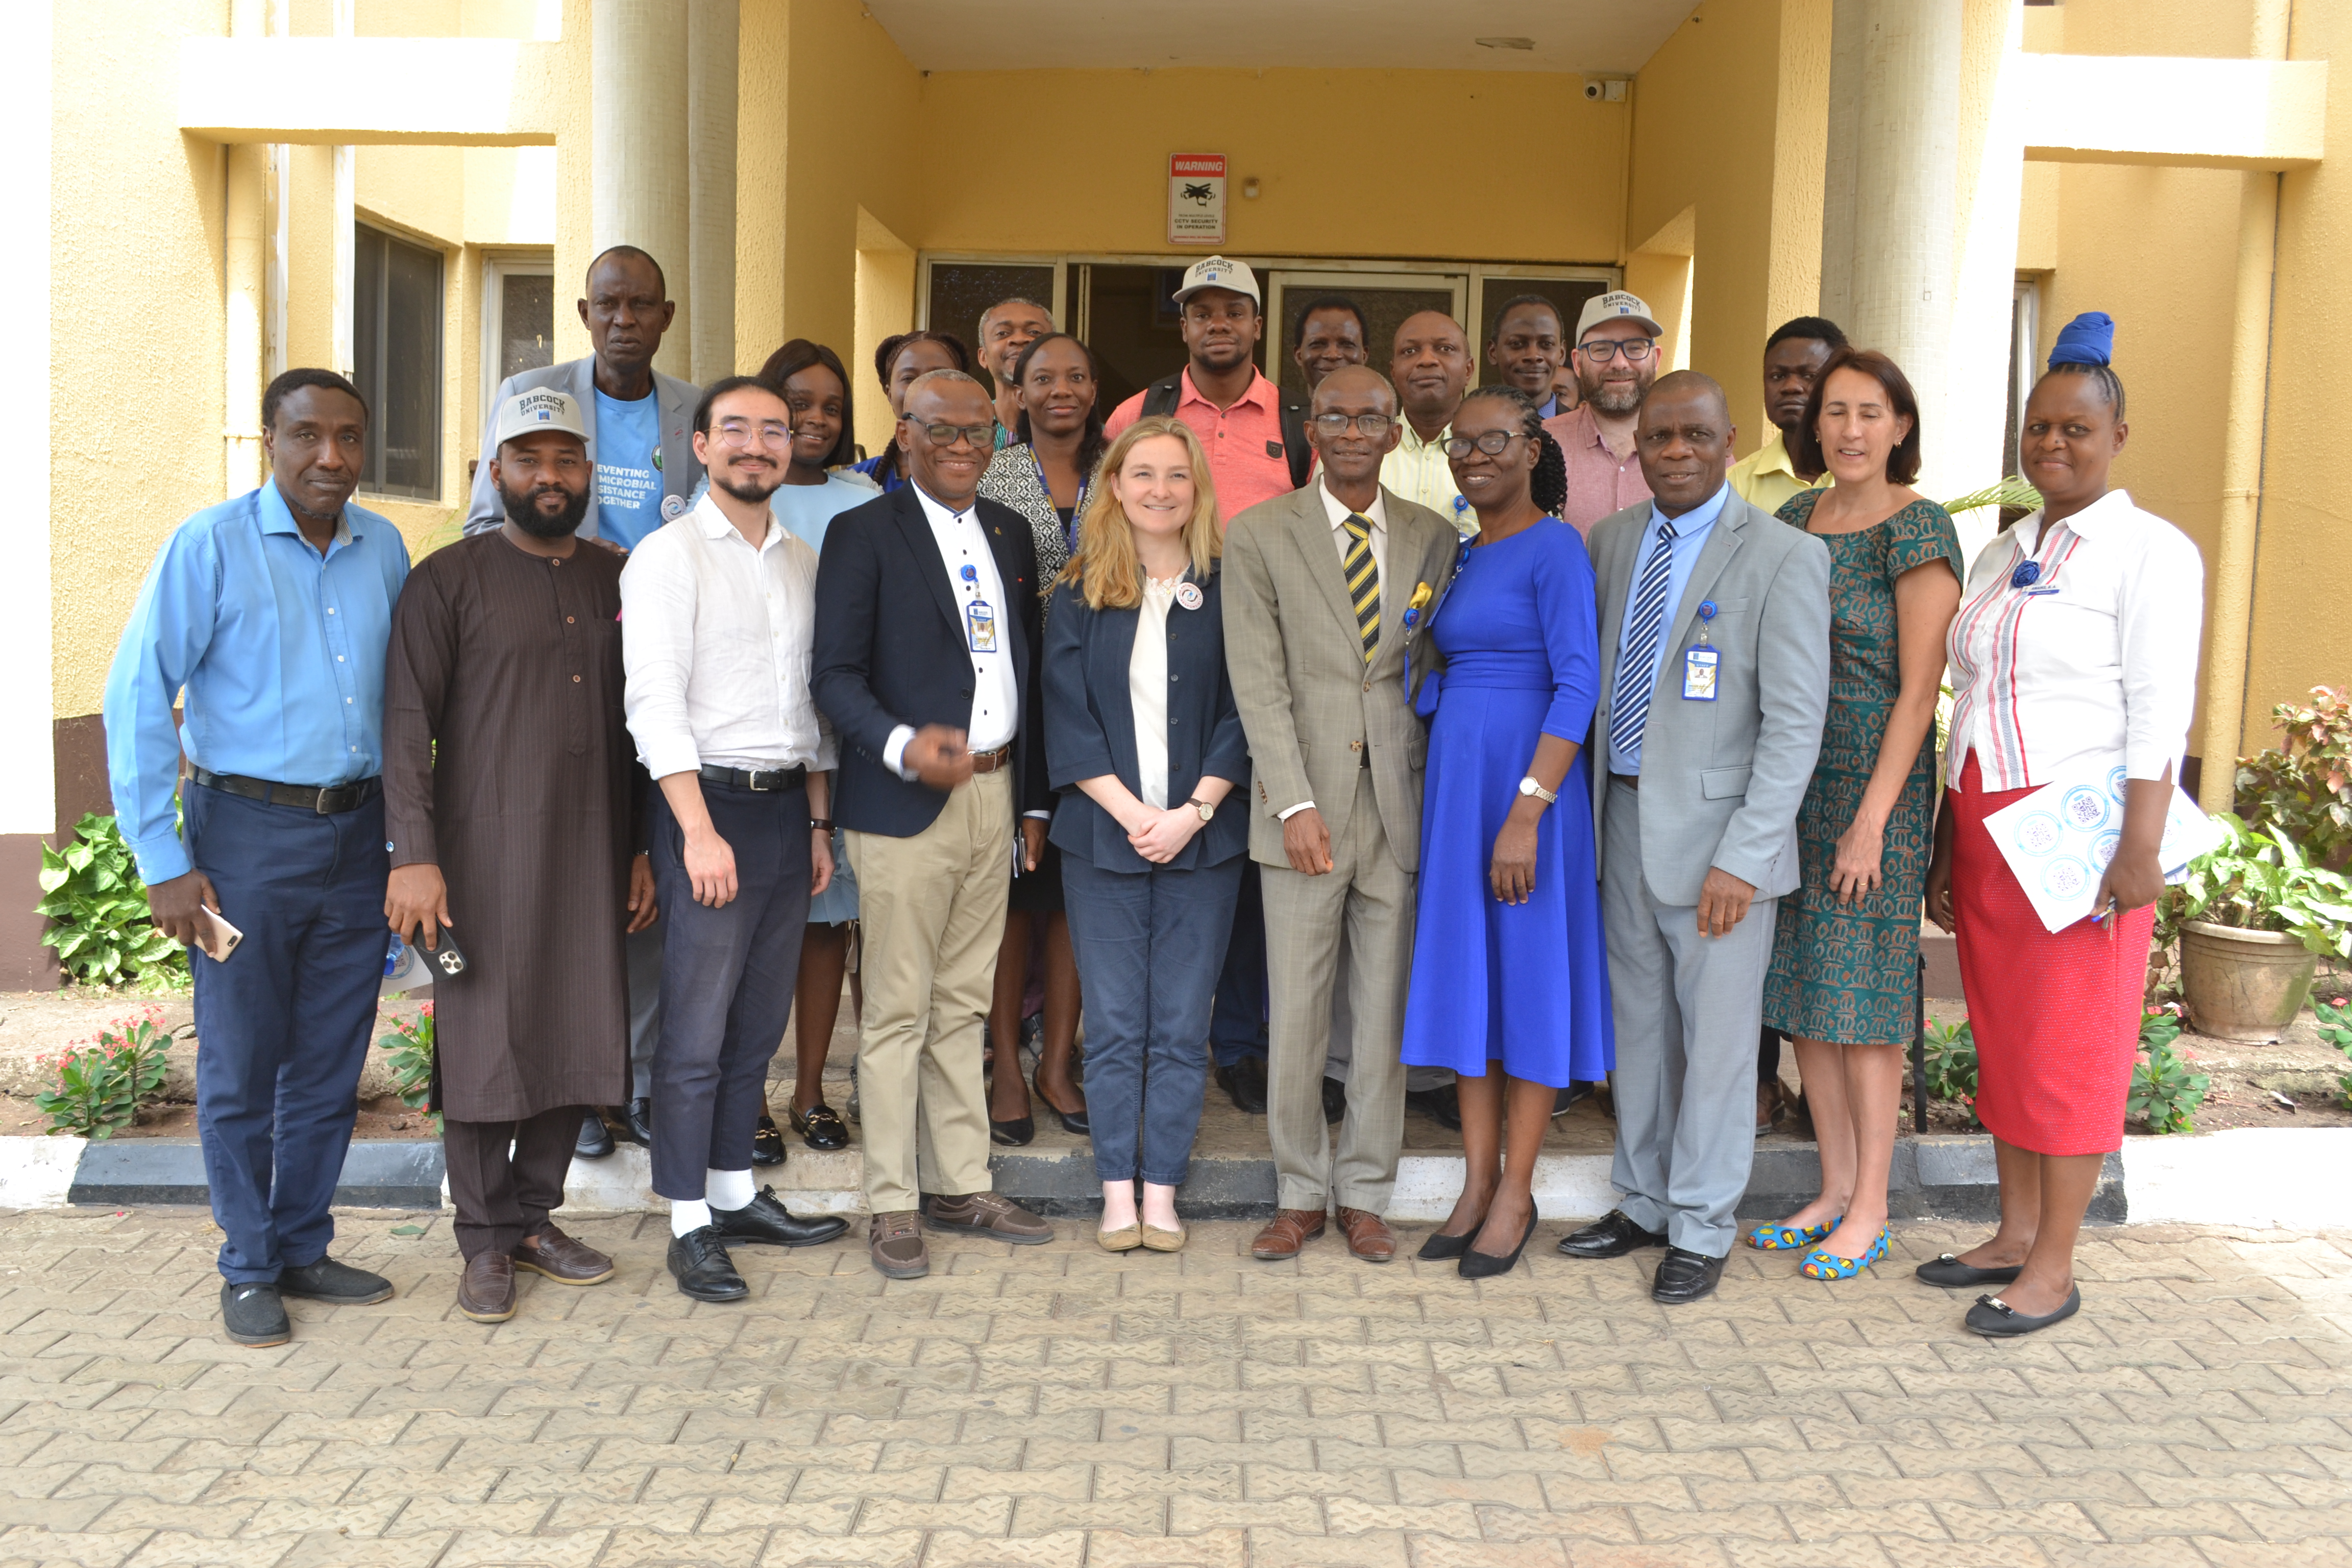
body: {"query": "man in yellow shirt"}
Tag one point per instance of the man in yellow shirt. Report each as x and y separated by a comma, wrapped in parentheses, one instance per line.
(1793, 357)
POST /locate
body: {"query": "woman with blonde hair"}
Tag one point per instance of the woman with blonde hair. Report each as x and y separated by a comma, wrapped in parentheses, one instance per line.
(1144, 742)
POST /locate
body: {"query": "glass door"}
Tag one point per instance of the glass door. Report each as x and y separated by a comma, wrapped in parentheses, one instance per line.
(1386, 298)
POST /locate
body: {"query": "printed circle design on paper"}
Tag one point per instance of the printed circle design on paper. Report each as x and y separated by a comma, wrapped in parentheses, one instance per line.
(2104, 848)
(2065, 878)
(2116, 777)
(2039, 834)
(2086, 808)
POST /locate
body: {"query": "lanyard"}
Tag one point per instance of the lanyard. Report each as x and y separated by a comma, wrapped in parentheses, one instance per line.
(1077, 510)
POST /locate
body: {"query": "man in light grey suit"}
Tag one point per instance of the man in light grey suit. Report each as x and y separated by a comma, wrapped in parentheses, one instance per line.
(1317, 587)
(644, 470)
(1715, 638)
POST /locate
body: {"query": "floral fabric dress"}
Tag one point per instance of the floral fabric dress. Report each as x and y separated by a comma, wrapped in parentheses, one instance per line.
(1849, 973)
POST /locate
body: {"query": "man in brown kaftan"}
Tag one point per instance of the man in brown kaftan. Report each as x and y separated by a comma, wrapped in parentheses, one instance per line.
(511, 805)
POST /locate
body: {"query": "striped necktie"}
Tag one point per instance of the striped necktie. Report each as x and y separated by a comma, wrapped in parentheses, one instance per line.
(1629, 709)
(1363, 576)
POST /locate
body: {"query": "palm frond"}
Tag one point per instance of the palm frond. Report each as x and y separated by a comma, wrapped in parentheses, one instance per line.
(2012, 491)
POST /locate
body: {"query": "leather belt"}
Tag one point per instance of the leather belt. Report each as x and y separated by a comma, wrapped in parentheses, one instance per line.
(327, 800)
(766, 780)
(1630, 781)
(989, 761)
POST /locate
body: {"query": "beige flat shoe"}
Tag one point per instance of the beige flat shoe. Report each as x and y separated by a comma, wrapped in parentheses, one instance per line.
(1158, 1240)
(1127, 1239)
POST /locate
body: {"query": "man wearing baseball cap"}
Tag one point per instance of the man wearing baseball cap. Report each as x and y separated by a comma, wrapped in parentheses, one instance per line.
(1235, 411)
(511, 810)
(1615, 360)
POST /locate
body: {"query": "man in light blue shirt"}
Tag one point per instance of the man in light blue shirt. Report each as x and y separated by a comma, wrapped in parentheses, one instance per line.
(272, 613)
(1689, 533)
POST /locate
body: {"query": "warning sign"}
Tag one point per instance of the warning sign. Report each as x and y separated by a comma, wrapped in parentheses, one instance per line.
(1196, 199)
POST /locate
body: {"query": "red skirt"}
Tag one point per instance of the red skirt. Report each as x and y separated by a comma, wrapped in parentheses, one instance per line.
(2055, 1015)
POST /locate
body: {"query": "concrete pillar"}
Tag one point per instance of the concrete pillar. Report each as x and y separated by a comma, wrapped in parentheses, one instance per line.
(637, 149)
(710, 68)
(245, 270)
(280, 201)
(1887, 257)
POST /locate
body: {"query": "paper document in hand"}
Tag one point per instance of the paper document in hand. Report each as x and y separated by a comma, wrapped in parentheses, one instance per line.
(2059, 839)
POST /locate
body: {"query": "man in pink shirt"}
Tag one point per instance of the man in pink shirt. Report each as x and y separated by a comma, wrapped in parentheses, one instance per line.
(1615, 359)
(1235, 411)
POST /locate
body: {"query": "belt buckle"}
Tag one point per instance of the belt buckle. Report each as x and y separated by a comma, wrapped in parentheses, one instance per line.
(751, 777)
(333, 798)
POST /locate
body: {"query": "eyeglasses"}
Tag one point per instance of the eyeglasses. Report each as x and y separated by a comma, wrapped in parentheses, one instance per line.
(1372, 426)
(737, 434)
(979, 436)
(1494, 443)
(1601, 350)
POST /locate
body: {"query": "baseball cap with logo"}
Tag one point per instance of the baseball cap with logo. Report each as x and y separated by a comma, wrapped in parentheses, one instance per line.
(1609, 307)
(1216, 272)
(531, 412)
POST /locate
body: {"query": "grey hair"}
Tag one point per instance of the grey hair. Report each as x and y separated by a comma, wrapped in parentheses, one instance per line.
(942, 375)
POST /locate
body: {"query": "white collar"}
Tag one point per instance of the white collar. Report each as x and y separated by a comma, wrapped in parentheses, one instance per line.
(1377, 514)
(717, 524)
(938, 510)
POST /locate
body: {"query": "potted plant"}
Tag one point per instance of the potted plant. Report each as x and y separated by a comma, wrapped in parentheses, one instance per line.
(2255, 916)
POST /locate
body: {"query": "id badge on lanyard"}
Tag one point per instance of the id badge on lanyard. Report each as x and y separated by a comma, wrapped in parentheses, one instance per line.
(1701, 662)
(979, 618)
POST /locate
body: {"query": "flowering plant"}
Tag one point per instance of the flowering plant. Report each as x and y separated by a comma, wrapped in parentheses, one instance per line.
(101, 1083)
(409, 1046)
(1951, 1059)
(2164, 1094)
(2335, 1027)
(2304, 789)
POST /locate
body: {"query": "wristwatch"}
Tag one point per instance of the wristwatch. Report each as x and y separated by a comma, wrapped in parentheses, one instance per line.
(1203, 807)
(1528, 786)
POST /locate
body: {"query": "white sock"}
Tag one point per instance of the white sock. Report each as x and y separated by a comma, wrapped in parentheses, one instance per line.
(727, 1189)
(687, 1215)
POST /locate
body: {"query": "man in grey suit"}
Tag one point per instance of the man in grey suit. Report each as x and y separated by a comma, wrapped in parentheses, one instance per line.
(1715, 638)
(644, 470)
(1318, 585)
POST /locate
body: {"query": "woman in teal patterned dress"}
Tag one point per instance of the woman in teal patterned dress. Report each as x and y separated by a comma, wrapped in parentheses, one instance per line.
(1846, 972)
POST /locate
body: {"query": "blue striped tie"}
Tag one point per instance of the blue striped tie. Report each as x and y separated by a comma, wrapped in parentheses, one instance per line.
(1636, 672)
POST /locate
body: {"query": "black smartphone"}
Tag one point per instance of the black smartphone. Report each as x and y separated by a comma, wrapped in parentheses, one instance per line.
(447, 959)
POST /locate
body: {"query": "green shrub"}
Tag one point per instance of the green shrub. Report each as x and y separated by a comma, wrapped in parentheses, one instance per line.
(2335, 1027)
(2164, 1094)
(99, 1087)
(1951, 1057)
(2304, 789)
(97, 910)
(409, 1048)
(2258, 880)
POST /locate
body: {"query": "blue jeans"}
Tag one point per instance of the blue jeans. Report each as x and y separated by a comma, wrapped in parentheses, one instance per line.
(283, 1024)
(1149, 946)
(1237, 1027)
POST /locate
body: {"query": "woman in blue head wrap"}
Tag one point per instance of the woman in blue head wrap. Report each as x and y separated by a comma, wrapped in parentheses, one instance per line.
(2073, 663)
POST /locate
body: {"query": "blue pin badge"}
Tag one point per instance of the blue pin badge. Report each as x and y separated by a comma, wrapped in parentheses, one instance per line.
(2028, 573)
(1705, 617)
(970, 572)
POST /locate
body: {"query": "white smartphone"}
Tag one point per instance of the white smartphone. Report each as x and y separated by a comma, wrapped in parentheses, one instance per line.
(220, 938)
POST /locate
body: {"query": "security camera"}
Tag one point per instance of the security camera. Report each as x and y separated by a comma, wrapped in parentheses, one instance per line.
(1593, 92)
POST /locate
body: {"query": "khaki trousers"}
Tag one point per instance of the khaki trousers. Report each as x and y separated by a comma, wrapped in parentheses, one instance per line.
(1367, 898)
(931, 909)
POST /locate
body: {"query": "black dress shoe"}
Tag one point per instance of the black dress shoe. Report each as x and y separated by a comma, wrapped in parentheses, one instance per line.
(1951, 1273)
(1246, 1082)
(764, 1219)
(1442, 1248)
(1685, 1276)
(1610, 1236)
(633, 1122)
(767, 1143)
(820, 1126)
(254, 1316)
(1335, 1101)
(698, 1262)
(1441, 1105)
(1071, 1120)
(1997, 1319)
(1562, 1099)
(595, 1137)
(338, 1284)
(1013, 1134)
(1478, 1265)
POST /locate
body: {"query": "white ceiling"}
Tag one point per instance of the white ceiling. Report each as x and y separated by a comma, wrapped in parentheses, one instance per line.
(1608, 36)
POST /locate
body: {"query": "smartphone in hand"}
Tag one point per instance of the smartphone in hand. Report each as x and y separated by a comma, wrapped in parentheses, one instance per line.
(447, 959)
(220, 938)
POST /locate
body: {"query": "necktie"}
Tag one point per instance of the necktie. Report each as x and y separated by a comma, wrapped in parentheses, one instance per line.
(1363, 576)
(1637, 670)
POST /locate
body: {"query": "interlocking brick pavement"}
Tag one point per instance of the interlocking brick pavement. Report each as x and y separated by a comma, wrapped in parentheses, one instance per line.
(1057, 1407)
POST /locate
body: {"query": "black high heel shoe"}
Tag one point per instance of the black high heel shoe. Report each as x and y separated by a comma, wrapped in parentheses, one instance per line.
(1441, 1248)
(1476, 1265)
(1072, 1121)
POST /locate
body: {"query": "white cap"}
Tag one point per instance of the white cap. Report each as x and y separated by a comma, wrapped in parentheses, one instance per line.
(531, 412)
(1609, 306)
(1216, 272)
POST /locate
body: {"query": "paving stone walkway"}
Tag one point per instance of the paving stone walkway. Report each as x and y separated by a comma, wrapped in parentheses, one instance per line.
(1057, 1406)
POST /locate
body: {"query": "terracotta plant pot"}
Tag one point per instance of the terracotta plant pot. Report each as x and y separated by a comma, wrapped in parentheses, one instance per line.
(2243, 985)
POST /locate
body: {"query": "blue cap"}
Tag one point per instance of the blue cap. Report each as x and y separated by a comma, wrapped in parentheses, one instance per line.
(2088, 339)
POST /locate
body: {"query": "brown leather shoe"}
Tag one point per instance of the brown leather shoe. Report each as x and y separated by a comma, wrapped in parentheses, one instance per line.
(1289, 1230)
(562, 1258)
(1369, 1236)
(486, 1290)
(996, 1217)
(895, 1242)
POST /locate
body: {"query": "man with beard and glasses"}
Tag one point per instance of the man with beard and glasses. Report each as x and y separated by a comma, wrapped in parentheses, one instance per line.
(719, 611)
(1615, 360)
(509, 797)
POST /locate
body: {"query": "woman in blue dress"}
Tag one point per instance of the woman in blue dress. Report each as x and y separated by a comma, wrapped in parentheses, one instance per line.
(1510, 985)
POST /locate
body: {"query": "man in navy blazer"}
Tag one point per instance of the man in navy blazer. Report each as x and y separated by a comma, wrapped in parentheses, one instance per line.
(925, 660)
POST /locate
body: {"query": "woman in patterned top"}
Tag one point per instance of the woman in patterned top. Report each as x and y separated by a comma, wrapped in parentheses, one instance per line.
(1045, 475)
(1845, 981)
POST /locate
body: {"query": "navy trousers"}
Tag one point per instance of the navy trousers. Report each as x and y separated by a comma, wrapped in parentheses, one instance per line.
(1237, 1026)
(282, 1027)
(727, 980)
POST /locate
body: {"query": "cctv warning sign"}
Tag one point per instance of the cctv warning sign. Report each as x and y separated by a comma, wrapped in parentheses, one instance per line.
(1196, 199)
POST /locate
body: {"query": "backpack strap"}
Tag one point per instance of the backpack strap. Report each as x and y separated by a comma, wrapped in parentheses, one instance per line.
(1293, 443)
(1162, 395)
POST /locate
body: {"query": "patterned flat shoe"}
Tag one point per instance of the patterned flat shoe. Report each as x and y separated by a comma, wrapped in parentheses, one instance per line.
(1788, 1237)
(1819, 1265)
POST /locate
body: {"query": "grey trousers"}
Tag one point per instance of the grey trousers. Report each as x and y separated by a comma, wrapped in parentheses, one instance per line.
(1688, 1009)
(1343, 1038)
(643, 952)
(1367, 898)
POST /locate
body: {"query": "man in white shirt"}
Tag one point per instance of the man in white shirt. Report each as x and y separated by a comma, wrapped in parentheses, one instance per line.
(926, 630)
(716, 613)
(1430, 368)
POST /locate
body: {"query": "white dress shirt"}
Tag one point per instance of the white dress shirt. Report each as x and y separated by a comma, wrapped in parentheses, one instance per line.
(1147, 690)
(1377, 514)
(716, 638)
(2093, 662)
(1419, 471)
(995, 694)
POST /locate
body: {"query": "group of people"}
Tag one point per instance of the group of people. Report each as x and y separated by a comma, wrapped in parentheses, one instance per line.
(1342, 746)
